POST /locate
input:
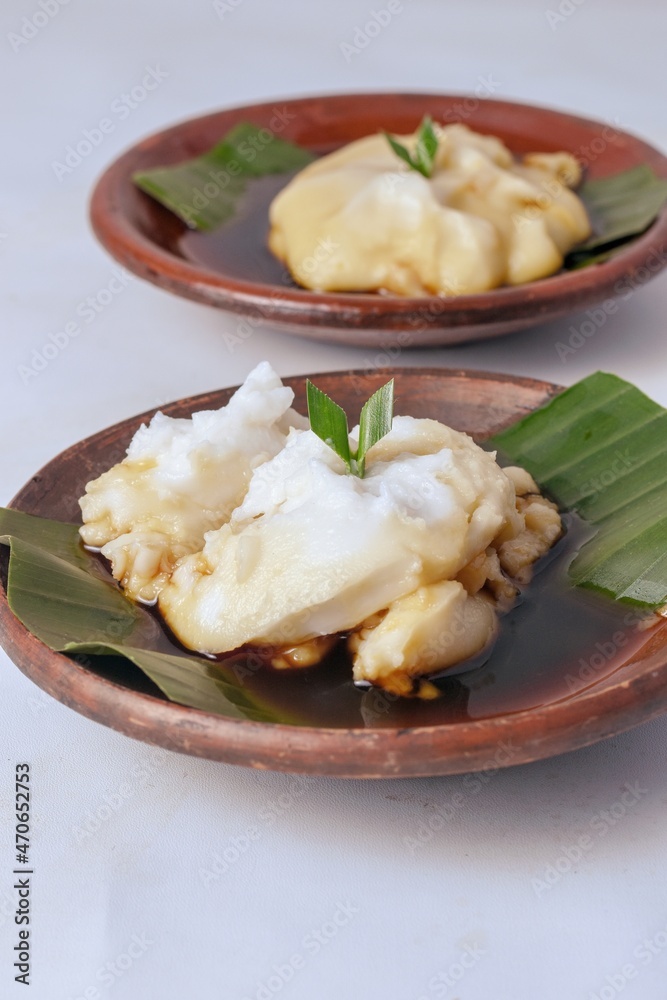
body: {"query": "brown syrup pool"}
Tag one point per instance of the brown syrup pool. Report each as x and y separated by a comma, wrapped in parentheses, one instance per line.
(557, 640)
(553, 642)
(239, 248)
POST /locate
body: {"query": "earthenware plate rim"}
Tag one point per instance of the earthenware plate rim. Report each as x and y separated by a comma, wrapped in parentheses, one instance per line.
(358, 318)
(279, 746)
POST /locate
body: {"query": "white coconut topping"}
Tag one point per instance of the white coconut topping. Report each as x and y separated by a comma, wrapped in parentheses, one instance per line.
(312, 550)
(181, 478)
(248, 529)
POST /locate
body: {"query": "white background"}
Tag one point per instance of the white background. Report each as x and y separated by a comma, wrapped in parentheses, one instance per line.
(473, 881)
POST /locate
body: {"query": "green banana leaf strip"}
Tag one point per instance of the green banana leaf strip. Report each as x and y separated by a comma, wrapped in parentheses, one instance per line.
(600, 448)
(187, 680)
(206, 192)
(65, 597)
(57, 537)
(60, 602)
(620, 207)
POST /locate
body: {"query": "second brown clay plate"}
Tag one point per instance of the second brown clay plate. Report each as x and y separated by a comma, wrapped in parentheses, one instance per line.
(232, 268)
(561, 678)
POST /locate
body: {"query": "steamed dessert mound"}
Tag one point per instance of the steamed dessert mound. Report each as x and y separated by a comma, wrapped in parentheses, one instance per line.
(361, 220)
(291, 553)
(180, 479)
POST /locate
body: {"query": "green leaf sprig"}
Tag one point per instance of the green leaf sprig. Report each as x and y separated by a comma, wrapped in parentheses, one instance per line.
(329, 421)
(423, 158)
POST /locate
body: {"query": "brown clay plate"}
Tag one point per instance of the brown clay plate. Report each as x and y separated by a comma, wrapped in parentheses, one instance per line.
(532, 714)
(233, 270)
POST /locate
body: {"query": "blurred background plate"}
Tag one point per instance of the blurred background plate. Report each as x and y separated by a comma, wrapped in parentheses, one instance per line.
(232, 269)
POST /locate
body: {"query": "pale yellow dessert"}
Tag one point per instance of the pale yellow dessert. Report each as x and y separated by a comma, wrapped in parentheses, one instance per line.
(248, 529)
(361, 219)
(182, 478)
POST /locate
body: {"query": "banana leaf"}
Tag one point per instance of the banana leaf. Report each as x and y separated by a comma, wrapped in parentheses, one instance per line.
(621, 207)
(65, 597)
(206, 191)
(600, 448)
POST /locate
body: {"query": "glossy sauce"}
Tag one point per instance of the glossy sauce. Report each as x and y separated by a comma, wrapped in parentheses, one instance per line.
(239, 248)
(556, 641)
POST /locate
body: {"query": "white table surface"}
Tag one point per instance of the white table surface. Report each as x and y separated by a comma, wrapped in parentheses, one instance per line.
(137, 908)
